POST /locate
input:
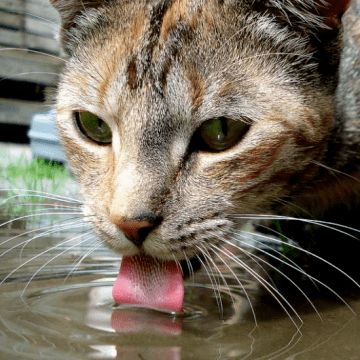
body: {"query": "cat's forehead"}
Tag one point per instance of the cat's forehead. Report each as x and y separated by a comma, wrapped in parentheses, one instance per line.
(145, 40)
(179, 62)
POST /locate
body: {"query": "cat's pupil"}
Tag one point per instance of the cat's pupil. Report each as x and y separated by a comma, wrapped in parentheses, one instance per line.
(93, 127)
(224, 128)
(220, 134)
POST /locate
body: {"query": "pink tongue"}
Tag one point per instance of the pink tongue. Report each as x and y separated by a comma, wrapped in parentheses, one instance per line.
(150, 283)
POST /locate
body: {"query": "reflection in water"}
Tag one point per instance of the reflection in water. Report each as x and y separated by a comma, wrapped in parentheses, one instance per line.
(100, 315)
(76, 319)
(133, 321)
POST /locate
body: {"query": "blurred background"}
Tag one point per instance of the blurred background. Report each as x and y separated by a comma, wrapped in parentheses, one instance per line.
(31, 157)
(30, 61)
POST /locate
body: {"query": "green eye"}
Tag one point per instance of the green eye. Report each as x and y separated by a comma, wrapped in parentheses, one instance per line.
(93, 127)
(221, 133)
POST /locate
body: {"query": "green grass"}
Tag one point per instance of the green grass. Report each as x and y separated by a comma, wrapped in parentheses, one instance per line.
(37, 174)
(30, 174)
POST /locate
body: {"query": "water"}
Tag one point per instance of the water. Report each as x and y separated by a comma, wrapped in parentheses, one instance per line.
(57, 316)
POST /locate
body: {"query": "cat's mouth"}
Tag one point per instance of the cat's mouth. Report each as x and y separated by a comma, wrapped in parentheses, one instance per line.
(148, 282)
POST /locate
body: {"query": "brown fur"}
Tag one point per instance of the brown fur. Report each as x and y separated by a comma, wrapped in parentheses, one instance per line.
(156, 70)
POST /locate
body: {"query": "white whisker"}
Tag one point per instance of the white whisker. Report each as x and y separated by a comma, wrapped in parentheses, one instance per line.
(96, 246)
(210, 261)
(40, 254)
(325, 224)
(52, 259)
(273, 267)
(54, 205)
(270, 288)
(39, 214)
(335, 171)
(208, 272)
(239, 282)
(25, 242)
(39, 194)
(19, 75)
(190, 267)
(36, 230)
(32, 51)
(305, 252)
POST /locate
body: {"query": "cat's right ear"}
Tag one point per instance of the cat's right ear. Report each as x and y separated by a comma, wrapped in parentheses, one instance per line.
(69, 11)
(332, 11)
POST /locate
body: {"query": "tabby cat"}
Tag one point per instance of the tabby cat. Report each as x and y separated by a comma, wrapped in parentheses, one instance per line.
(184, 119)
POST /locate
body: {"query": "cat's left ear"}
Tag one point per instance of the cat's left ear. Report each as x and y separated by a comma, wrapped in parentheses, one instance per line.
(70, 9)
(332, 11)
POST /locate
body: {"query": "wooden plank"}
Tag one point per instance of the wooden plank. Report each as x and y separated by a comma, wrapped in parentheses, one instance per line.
(26, 66)
(19, 112)
(36, 8)
(29, 24)
(15, 38)
(42, 8)
(11, 20)
(12, 5)
(41, 27)
(12, 38)
(42, 43)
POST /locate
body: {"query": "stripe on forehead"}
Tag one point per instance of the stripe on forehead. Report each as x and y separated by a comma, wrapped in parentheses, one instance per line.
(169, 21)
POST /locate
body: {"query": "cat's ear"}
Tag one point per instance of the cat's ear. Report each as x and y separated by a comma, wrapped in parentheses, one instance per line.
(69, 11)
(332, 11)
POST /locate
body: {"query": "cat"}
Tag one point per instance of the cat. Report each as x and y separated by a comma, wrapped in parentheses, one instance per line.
(184, 119)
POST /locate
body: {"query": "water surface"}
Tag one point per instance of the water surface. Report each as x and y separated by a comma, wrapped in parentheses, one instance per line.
(66, 312)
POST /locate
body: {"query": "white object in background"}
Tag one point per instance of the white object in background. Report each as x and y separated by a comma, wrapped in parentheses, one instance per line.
(44, 139)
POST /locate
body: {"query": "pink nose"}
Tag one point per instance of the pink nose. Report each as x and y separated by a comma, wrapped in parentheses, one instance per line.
(136, 230)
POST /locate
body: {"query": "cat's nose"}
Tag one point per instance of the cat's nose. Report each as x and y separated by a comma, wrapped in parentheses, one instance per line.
(137, 229)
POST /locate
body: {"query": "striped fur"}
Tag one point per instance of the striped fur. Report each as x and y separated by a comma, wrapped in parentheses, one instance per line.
(156, 70)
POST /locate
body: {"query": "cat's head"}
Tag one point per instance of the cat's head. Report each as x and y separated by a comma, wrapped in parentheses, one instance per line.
(180, 116)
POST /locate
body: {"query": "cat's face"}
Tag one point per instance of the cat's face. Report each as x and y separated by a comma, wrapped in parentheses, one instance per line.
(215, 110)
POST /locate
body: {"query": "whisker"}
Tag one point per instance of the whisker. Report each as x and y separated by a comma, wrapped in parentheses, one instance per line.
(96, 246)
(210, 262)
(285, 349)
(33, 51)
(288, 240)
(177, 262)
(190, 267)
(29, 209)
(51, 22)
(240, 283)
(47, 205)
(40, 254)
(218, 301)
(25, 242)
(306, 252)
(270, 288)
(49, 261)
(273, 267)
(300, 271)
(79, 223)
(325, 224)
(296, 208)
(215, 266)
(39, 194)
(39, 214)
(37, 229)
(19, 75)
(335, 171)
